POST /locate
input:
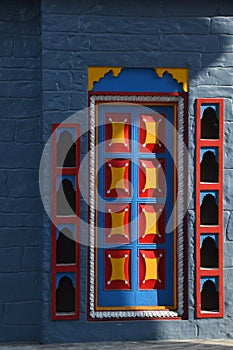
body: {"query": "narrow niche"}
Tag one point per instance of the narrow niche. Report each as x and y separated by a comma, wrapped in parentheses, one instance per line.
(209, 166)
(65, 295)
(209, 210)
(209, 296)
(66, 150)
(66, 197)
(209, 253)
(209, 124)
(65, 247)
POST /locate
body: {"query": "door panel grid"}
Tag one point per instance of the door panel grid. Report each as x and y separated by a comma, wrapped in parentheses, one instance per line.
(146, 274)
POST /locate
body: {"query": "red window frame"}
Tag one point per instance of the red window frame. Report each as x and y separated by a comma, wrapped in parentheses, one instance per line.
(56, 220)
(209, 229)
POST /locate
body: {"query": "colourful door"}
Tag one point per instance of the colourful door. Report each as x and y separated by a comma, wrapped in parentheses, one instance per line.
(136, 182)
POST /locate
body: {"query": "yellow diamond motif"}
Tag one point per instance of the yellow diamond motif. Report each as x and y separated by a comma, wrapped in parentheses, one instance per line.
(151, 223)
(151, 268)
(118, 224)
(151, 132)
(151, 178)
(118, 269)
(118, 181)
(118, 132)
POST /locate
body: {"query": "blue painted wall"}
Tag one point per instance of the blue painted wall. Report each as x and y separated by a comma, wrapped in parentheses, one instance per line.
(57, 40)
(20, 149)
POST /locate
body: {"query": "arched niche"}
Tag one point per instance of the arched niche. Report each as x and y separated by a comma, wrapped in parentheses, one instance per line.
(209, 297)
(66, 198)
(65, 247)
(209, 253)
(209, 210)
(209, 167)
(65, 296)
(209, 124)
(66, 150)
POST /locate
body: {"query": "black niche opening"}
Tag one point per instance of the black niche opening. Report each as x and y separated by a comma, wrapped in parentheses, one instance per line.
(65, 253)
(66, 150)
(209, 124)
(209, 297)
(209, 253)
(65, 296)
(209, 168)
(66, 198)
(209, 211)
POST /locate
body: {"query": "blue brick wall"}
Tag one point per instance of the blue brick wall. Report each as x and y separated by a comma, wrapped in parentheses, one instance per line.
(20, 205)
(48, 45)
(195, 35)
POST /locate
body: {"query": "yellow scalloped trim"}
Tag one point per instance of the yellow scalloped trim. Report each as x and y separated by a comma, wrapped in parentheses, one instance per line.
(180, 74)
(96, 73)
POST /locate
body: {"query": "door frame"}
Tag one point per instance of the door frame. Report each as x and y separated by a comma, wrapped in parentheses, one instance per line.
(141, 98)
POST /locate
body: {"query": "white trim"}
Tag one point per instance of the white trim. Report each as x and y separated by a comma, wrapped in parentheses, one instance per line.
(180, 233)
(180, 205)
(131, 314)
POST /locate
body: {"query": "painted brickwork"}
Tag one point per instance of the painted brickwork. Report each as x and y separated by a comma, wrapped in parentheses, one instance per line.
(148, 34)
(20, 207)
(75, 35)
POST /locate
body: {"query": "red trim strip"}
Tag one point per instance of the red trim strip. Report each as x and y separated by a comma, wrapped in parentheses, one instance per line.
(203, 229)
(75, 268)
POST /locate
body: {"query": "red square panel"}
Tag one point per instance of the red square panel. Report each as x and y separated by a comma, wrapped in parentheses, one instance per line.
(117, 269)
(152, 133)
(151, 269)
(151, 178)
(117, 178)
(117, 223)
(117, 132)
(151, 223)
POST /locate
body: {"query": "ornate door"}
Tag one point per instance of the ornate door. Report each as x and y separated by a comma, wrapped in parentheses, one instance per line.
(135, 254)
